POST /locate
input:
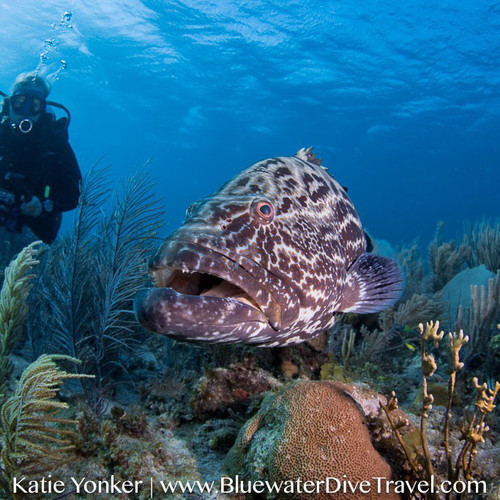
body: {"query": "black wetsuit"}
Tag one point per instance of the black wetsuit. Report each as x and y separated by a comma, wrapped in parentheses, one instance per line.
(40, 163)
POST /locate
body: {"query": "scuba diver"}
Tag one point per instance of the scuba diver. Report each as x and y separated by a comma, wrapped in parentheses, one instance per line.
(39, 173)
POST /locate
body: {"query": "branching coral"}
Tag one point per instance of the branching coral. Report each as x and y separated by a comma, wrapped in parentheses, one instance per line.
(14, 308)
(455, 342)
(358, 348)
(36, 437)
(472, 429)
(428, 368)
(398, 423)
(475, 427)
(483, 312)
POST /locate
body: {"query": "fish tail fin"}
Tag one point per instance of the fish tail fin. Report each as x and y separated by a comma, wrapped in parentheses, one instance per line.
(373, 283)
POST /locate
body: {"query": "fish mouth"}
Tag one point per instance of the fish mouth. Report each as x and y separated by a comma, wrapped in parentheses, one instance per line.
(199, 290)
(204, 285)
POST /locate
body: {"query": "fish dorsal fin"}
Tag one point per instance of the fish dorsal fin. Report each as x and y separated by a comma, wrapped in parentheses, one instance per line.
(372, 284)
(307, 154)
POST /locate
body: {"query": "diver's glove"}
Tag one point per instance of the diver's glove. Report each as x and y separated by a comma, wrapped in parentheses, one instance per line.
(32, 208)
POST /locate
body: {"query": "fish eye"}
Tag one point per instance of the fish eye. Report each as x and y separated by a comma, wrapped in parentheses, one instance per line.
(264, 211)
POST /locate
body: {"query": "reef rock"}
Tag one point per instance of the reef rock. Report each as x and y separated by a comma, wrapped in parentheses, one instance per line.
(312, 430)
(221, 389)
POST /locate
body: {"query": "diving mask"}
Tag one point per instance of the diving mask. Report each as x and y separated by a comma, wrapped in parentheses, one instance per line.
(26, 106)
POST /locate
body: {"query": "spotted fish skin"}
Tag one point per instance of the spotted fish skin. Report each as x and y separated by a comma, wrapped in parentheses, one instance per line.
(288, 251)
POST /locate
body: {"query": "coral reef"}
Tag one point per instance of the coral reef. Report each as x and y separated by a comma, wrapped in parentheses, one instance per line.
(130, 446)
(168, 411)
(311, 430)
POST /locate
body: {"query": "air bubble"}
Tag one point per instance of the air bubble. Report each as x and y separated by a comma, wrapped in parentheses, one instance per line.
(50, 44)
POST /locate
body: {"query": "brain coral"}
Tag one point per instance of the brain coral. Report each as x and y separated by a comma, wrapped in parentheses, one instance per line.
(312, 430)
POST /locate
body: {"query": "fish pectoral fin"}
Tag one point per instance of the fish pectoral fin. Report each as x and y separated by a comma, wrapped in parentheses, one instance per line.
(372, 284)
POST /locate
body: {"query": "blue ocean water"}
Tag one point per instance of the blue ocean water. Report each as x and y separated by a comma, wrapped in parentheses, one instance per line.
(401, 100)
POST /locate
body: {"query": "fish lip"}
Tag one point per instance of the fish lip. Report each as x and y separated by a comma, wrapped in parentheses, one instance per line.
(163, 310)
(190, 257)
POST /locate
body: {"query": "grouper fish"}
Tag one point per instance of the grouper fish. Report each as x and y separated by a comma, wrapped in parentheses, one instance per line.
(272, 258)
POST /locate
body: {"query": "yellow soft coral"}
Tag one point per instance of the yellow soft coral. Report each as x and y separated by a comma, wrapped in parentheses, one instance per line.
(36, 437)
(14, 308)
